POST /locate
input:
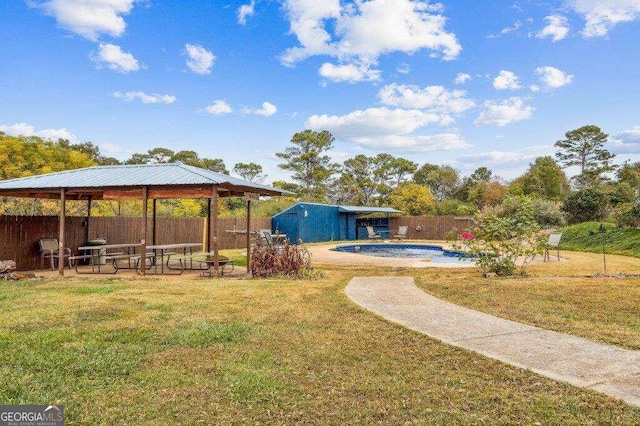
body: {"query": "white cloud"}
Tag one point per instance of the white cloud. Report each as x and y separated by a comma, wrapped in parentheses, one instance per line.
(625, 142)
(553, 78)
(435, 99)
(200, 59)
(154, 98)
(116, 59)
(404, 68)
(24, 129)
(350, 73)
(506, 80)
(219, 107)
(462, 78)
(516, 26)
(358, 33)
(386, 128)
(557, 28)
(267, 110)
(113, 149)
(89, 18)
(504, 112)
(601, 16)
(245, 11)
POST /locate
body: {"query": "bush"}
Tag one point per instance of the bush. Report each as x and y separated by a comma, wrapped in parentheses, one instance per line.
(497, 242)
(548, 213)
(289, 260)
(627, 214)
(586, 205)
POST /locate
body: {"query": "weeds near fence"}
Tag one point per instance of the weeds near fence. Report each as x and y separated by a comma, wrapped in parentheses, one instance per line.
(288, 260)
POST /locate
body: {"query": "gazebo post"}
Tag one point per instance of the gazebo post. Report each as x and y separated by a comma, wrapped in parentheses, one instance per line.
(248, 235)
(216, 256)
(143, 253)
(86, 223)
(61, 240)
(208, 246)
(153, 222)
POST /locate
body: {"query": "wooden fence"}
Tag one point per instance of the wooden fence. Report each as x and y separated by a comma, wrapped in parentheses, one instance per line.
(430, 227)
(19, 235)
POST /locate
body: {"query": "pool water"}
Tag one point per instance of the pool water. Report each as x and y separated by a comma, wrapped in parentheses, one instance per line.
(418, 251)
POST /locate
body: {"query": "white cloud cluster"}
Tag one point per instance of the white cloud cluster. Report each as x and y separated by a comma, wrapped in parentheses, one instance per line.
(504, 112)
(350, 73)
(506, 80)
(358, 33)
(200, 60)
(115, 58)
(553, 78)
(245, 11)
(435, 99)
(89, 18)
(626, 142)
(24, 129)
(557, 28)
(462, 78)
(516, 26)
(154, 98)
(601, 16)
(388, 128)
(219, 107)
(268, 109)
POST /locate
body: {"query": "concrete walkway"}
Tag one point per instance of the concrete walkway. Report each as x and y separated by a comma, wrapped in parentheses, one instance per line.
(604, 368)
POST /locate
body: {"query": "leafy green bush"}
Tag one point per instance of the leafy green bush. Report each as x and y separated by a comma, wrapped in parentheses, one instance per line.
(586, 205)
(498, 242)
(548, 213)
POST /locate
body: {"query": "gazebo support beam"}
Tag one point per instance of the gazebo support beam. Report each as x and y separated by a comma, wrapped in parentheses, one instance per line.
(216, 255)
(143, 250)
(61, 231)
(248, 235)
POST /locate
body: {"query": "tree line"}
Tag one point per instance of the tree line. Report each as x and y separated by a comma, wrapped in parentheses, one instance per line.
(598, 191)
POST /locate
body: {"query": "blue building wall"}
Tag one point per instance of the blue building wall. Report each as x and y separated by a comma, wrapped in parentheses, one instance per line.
(322, 222)
(314, 223)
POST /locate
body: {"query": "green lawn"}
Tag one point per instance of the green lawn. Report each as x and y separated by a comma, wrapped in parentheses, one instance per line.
(218, 351)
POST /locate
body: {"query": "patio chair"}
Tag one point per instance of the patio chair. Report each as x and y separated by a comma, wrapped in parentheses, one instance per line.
(266, 238)
(552, 243)
(372, 234)
(402, 233)
(49, 249)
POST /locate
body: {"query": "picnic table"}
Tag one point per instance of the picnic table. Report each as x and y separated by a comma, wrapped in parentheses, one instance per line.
(109, 253)
(160, 255)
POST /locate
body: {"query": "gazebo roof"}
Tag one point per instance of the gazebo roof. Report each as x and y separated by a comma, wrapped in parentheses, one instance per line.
(165, 180)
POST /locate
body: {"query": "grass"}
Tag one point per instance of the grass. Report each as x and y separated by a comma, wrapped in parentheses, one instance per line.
(587, 237)
(188, 351)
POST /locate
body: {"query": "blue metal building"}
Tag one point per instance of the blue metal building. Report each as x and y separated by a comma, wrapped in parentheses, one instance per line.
(312, 222)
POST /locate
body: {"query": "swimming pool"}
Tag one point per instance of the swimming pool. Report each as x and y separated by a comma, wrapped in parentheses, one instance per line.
(417, 251)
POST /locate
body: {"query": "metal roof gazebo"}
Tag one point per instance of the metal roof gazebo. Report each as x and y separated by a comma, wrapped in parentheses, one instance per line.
(140, 182)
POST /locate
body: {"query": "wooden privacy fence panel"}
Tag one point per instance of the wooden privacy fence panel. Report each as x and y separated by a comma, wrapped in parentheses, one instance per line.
(430, 227)
(19, 235)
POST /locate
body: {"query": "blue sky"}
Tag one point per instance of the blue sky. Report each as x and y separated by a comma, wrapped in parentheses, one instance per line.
(464, 83)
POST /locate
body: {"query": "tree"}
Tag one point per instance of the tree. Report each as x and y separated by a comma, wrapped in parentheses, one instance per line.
(544, 179)
(473, 185)
(585, 205)
(308, 161)
(191, 158)
(583, 147)
(249, 171)
(443, 181)
(356, 181)
(412, 199)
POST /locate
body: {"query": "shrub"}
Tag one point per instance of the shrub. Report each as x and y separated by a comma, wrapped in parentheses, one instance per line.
(289, 260)
(497, 242)
(586, 205)
(548, 213)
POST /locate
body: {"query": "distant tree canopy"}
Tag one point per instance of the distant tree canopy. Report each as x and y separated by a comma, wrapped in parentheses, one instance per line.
(307, 159)
(583, 147)
(544, 179)
(191, 158)
(22, 156)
